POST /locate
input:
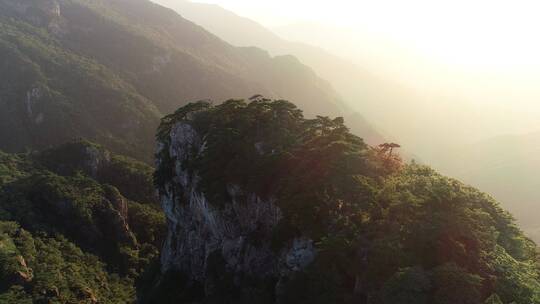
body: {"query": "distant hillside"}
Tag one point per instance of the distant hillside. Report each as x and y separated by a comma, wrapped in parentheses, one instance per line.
(353, 83)
(507, 167)
(108, 69)
(423, 122)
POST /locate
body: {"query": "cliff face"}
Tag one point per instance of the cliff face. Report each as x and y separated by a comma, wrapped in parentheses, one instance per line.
(226, 242)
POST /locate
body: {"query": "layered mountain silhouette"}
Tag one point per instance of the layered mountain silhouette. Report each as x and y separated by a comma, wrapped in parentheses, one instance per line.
(107, 70)
(354, 84)
(504, 166)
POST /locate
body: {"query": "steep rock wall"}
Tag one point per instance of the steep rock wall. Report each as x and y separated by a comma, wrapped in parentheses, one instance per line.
(208, 240)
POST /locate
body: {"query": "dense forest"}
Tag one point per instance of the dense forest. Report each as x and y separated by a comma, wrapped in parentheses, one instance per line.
(78, 225)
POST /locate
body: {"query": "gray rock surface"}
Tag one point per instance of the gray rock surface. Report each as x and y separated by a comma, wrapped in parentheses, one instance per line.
(208, 238)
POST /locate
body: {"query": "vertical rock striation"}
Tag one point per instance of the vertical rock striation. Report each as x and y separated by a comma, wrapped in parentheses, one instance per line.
(221, 243)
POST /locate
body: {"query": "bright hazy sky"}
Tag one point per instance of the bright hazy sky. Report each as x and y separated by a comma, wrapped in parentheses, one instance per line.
(487, 52)
(468, 32)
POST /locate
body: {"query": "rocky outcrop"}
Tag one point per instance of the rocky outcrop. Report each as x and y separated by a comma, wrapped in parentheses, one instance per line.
(75, 156)
(94, 159)
(15, 271)
(132, 178)
(32, 102)
(32, 97)
(216, 244)
(23, 275)
(115, 219)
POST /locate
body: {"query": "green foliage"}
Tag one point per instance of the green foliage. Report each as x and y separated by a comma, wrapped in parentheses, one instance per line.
(267, 147)
(12, 167)
(453, 284)
(460, 235)
(132, 178)
(16, 294)
(54, 95)
(148, 223)
(59, 272)
(493, 299)
(385, 232)
(73, 157)
(88, 241)
(71, 76)
(518, 281)
(43, 200)
(407, 286)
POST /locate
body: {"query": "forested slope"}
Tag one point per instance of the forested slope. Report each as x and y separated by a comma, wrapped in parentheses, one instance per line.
(67, 234)
(266, 206)
(107, 70)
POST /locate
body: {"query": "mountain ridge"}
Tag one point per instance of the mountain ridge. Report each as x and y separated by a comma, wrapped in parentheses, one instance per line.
(244, 32)
(129, 62)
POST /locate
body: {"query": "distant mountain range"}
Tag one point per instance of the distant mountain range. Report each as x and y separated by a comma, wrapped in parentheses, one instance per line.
(423, 121)
(352, 82)
(108, 70)
(390, 110)
(503, 166)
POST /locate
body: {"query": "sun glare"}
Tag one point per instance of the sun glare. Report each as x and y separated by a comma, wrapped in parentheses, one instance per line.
(478, 33)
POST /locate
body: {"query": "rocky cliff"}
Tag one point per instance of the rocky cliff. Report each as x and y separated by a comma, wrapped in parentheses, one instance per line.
(222, 242)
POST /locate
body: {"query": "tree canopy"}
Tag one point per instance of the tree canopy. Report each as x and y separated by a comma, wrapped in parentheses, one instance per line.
(386, 231)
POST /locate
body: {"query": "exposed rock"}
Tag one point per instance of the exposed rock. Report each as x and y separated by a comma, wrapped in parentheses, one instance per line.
(116, 220)
(83, 156)
(32, 97)
(15, 271)
(88, 296)
(94, 159)
(160, 62)
(299, 256)
(21, 261)
(22, 276)
(118, 202)
(207, 239)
